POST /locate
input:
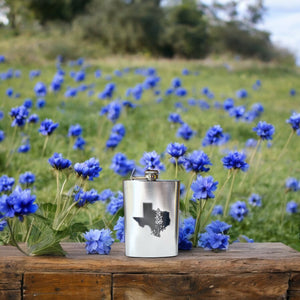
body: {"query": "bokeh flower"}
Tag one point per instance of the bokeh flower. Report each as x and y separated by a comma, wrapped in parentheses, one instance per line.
(98, 241)
(120, 232)
(254, 200)
(238, 210)
(88, 169)
(47, 127)
(235, 160)
(292, 207)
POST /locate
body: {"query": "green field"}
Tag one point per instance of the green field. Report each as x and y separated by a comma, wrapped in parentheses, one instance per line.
(148, 129)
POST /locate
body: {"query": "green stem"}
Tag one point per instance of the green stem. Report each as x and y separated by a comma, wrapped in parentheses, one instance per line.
(186, 200)
(230, 192)
(29, 231)
(176, 167)
(15, 243)
(286, 144)
(65, 216)
(45, 145)
(200, 209)
(283, 209)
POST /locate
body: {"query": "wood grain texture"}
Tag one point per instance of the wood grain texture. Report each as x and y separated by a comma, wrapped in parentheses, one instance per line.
(66, 286)
(10, 294)
(166, 286)
(10, 280)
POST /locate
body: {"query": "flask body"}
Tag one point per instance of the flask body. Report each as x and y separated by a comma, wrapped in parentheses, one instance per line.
(151, 217)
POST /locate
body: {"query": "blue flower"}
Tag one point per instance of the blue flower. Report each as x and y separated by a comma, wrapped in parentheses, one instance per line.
(2, 135)
(292, 184)
(79, 76)
(176, 82)
(40, 103)
(58, 162)
(151, 160)
(112, 111)
(121, 165)
(237, 112)
(186, 230)
(88, 169)
(228, 104)
(108, 91)
(176, 150)
(185, 132)
(175, 118)
(106, 194)
(254, 200)
(151, 82)
(137, 92)
(75, 130)
(71, 92)
(119, 227)
(27, 103)
(34, 118)
(98, 241)
(2, 58)
(6, 183)
(9, 92)
(292, 207)
(196, 162)
(238, 210)
(214, 136)
(235, 160)
(213, 241)
(242, 93)
(169, 91)
(185, 72)
(244, 239)
(119, 129)
(292, 92)
(27, 178)
(264, 130)
(34, 73)
(218, 227)
(115, 204)
(18, 203)
(79, 143)
(98, 73)
(82, 197)
(24, 148)
(19, 115)
(114, 140)
(1, 114)
(203, 187)
(217, 210)
(47, 127)
(181, 92)
(257, 109)
(251, 143)
(294, 120)
(40, 89)
(3, 224)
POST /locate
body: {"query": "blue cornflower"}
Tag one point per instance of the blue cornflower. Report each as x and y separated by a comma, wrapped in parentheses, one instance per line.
(3, 224)
(169, 91)
(128, 104)
(214, 136)
(34, 73)
(121, 165)
(40, 103)
(151, 160)
(108, 91)
(112, 111)
(205, 91)
(292, 92)
(79, 143)
(292, 207)
(2, 58)
(18, 203)
(176, 150)
(196, 162)
(88, 169)
(75, 130)
(254, 200)
(218, 227)
(235, 160)
(203, 104)
(137, 92)
(106, 194)
(24, 148)
(185, 72)
(1, 114)
(203, 187)
(181, 92)
(292, 184)
(192, 102)
(58, 162)
(114, 140)
(98, 73)
(28, 103)
(82, 197)
(98, 241)
(251, 143)
(237, 112)
(19, 115)
(175, 118)
(185, 132)
(189, 226)
(2, 135)
(27, 178)
(115, 204)
(71, 92)
(258, 109)
(34, 118)
(6, 183)
(186, 229)
(294, 120)
(213, 241)
(151, 82)
(119, 129)
(9, 92)
(176, 82)
(243, 238)
(264, 130)
(40, 89)
(217, 210)
(119, 227)
(238, 210)
(183, 241)
(228, 104)
(79, 76)
(242, 93)
(47, 127)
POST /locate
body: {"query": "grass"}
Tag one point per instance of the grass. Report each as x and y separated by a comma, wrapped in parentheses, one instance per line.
(148, 129)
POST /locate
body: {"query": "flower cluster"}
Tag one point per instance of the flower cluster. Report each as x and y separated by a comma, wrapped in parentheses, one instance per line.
(98, 241)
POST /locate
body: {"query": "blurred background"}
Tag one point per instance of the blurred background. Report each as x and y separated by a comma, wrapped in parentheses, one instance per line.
(33, 30)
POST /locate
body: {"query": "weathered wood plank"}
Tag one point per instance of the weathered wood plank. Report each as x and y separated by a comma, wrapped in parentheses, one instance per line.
(166, 286)
(295, 282)
(10, 280)
(10, 294)
(293, 295)
(67, 286)
(240, 258)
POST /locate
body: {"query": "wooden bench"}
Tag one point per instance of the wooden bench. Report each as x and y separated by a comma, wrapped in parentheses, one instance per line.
(245, 271)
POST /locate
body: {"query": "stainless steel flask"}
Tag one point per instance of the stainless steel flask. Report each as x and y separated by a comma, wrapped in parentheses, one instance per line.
(151, 216)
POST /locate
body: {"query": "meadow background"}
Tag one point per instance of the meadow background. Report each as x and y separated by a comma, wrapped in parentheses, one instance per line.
(273, 84)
